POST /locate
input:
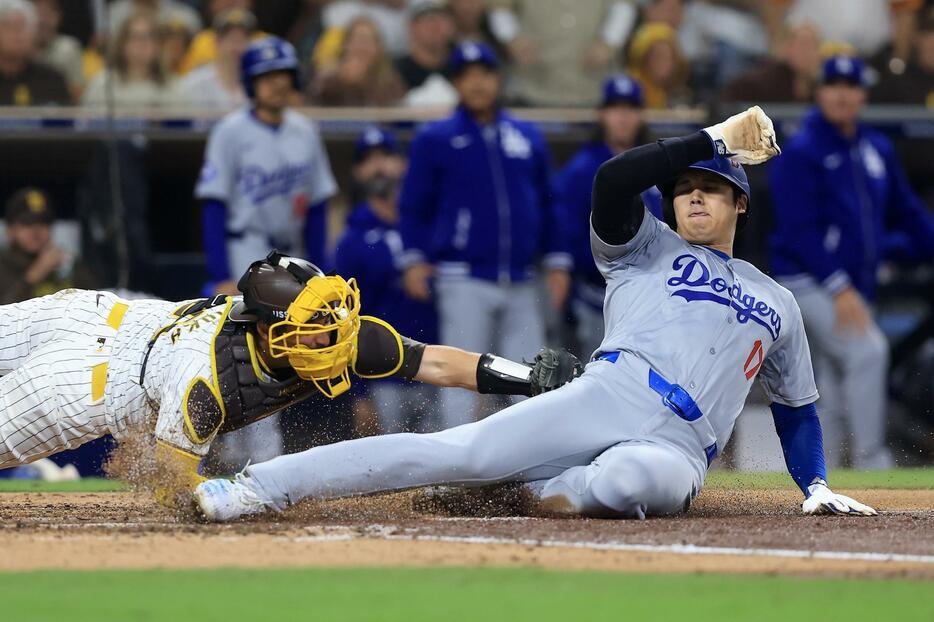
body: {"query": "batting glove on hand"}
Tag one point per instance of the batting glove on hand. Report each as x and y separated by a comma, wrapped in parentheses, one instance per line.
(747, 137)
(552, 369)
(822, 500)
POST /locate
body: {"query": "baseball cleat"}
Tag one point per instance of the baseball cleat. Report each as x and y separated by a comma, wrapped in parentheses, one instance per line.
(222, 500)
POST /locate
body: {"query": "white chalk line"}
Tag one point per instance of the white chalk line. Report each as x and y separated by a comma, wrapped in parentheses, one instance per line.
(339, 533)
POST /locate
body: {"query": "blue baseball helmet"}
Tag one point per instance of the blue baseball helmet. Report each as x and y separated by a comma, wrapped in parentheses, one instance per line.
(725, 168)
(843, 68)
(472, 53)
(374, 137)
(266, 56)
(621, 89)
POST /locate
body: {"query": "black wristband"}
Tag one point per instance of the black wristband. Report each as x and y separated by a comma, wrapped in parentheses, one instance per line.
(503, 377)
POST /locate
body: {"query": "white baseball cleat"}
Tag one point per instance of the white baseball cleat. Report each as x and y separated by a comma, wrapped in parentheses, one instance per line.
(222, 500)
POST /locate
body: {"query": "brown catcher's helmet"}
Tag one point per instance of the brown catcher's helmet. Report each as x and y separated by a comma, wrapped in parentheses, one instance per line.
(294, 298)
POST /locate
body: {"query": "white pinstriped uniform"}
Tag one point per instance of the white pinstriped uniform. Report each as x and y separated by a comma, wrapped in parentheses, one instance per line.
(70, 366)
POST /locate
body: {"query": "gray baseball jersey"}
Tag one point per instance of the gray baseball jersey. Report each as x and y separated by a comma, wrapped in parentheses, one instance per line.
(704, 321)
(267, 177)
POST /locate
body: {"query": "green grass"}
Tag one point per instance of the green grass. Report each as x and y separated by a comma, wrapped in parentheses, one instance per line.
(904, 479)
(449, 595)
(82, 485)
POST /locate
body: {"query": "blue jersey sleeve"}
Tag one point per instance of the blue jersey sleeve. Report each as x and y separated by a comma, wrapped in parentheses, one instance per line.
(315, 233)
(214, 219)
(802, 442)
(418, 200)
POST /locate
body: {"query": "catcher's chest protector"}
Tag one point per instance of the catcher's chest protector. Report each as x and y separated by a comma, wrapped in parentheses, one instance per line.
(248, 397)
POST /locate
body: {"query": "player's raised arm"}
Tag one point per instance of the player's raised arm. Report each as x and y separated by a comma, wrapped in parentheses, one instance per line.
(617, 210)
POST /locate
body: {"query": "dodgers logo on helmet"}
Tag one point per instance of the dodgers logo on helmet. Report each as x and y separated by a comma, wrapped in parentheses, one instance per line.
(267, 56)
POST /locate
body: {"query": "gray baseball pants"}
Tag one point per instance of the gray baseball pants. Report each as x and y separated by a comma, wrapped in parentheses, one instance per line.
(851, 373)
(482, 316)
(599, 446)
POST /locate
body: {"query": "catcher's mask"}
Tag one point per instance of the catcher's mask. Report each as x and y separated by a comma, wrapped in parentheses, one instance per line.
(295, 299)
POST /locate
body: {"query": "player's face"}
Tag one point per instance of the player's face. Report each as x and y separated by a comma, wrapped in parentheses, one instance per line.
(478, 87)
(705, 208)
(273, 90)
(31, 239)
(841, 103)
(621, 123)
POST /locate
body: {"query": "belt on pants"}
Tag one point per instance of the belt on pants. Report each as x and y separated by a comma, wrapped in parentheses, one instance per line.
(674, 397)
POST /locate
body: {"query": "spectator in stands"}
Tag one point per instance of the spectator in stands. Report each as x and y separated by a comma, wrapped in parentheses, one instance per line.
(915, 85)
(24, 82)
(164, 10)
(876, 28)
(134, 67)
(789, 77)
(174, 38)
(61, 52)
(370, 250)
(655, 60)
(217, 85)
(472, 23)
(203, 49)
(562, 50)
(721, 39)
(32, 265)
(839, 193)
(363, 74)
(476, 211)
(620, 127)
(430, 31)
(390, 16)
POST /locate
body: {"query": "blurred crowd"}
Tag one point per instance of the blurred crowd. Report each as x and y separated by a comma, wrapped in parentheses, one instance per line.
(184, 53)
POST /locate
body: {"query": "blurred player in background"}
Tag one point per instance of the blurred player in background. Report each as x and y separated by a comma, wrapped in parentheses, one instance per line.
(265, 184)
(266, 177)
(31, 264)
(371, 250)
(620, 127)
(842, 206)
(476, 212)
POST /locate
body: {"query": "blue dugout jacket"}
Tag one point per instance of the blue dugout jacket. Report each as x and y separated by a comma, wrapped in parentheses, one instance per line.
(477, 200)
(370, 251)
(573, 189)
(841, 207)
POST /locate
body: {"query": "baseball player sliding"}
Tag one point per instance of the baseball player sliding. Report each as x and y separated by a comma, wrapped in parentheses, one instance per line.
(81, 364)
(688, 329)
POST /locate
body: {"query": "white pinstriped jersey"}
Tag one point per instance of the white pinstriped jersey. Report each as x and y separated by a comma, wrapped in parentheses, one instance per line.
(70, 370)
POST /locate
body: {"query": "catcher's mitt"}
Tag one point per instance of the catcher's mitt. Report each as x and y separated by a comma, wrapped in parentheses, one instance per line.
(552, 369)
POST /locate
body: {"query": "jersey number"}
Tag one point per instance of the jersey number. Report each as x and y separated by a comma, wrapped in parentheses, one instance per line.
(754, 360)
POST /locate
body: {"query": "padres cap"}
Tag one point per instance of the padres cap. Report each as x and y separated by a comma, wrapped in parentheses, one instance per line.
(842, 68)
(29, 206)
(472, 53)
(374, 137)
(621, 89)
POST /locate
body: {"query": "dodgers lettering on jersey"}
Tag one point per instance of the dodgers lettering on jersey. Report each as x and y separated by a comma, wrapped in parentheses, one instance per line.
(703, 320)
(267, 177)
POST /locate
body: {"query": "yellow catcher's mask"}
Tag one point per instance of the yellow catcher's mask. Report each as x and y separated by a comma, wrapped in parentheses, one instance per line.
(328, 306)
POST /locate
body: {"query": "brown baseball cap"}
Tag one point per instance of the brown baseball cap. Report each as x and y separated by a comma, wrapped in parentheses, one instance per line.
(29, 206)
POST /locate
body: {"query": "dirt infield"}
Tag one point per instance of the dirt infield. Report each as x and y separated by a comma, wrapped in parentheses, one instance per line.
(740, 532)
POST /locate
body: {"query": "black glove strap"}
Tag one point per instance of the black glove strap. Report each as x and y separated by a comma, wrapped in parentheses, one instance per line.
(503, 377)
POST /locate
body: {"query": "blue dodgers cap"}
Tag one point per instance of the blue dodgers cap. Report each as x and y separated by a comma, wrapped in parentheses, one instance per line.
(374, 137)
(472, 53)
(622, 89)
(843, 68)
